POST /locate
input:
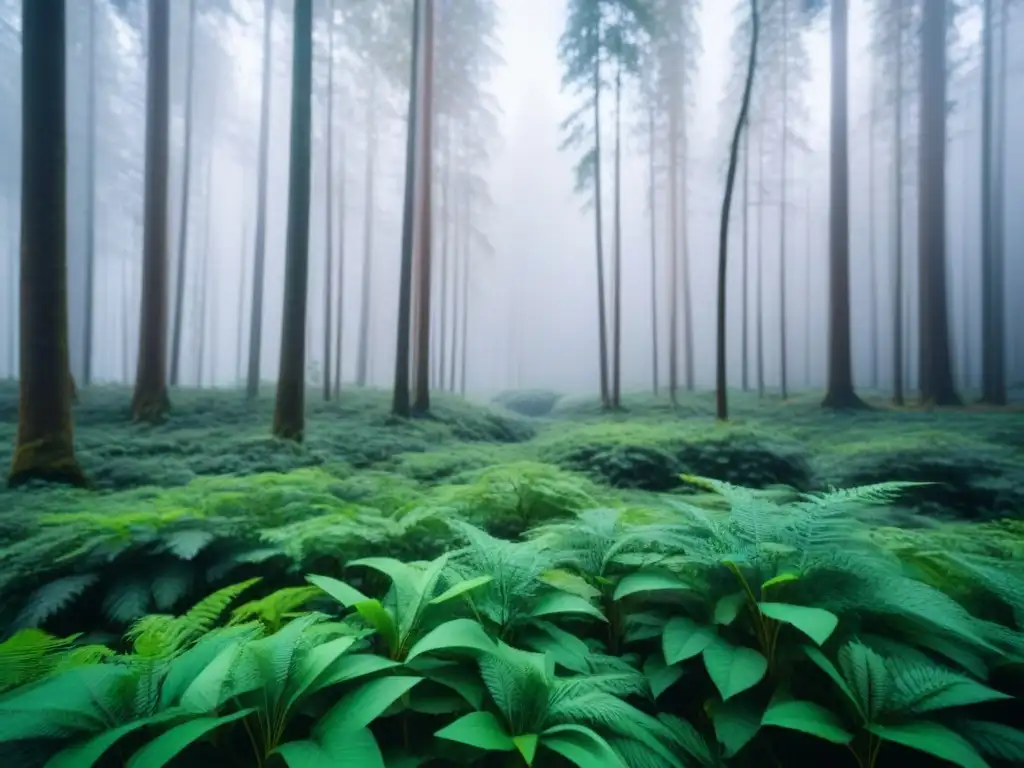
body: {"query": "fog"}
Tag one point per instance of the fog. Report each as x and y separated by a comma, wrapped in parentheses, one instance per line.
(533, 305)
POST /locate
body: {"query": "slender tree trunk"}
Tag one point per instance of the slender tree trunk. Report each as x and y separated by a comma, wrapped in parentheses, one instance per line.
(126, 315)
(617, 246)
(150, 402)
(898, 387)
(936, 369)
(182, 269)
(783, 201)
(965, 261)
(840, 393)
(13, 287)
(90, 202)
(252, 384)
(362, 353)
(240, 342)
(457, 259)
(329, 207)
(872, 249)
(203, 276)
(340, 325)
(745, 304)
(684, 266)
(759, 308)
(672, 226)
(807, 290)
(400, 405)
(721, 380)
(653, 201)
(45, 445)
(602, 315)
(467, 264)
(289, 417)
(421, 389)
(445, 225)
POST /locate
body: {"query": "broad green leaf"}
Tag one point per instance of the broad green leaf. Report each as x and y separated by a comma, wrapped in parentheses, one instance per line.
(402, 575)
(869, 677)
(213, 685)
(169, 744)
(661, 676)
(459, 678)
(313, 665)
(558, 603)
(934, 739)
(736, 722)
(921, 688)
(352, 667)
(457, 634)
(461, 588)
(729, 607)
(361, 706)
(581, 746)
(570, 582)
(347, 749)
(817, 623)
(85, 754)
(378, 617)
(527, 746)
(995, 739)
(807, 717)
(481, 730)
(648, 581)
(782, 578)
(826, 666)
(684, 638)
(339, 590)
(733, 668)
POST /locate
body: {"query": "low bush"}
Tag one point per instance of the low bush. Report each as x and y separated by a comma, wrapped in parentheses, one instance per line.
(528, 402)
(767, 633)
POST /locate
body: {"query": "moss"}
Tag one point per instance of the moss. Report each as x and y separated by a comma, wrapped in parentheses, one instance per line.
(50, 460)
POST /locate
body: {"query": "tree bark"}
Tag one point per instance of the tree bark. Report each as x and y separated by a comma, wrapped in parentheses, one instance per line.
(783, 383)
(45, 448)
(652, 200)
(721, 381)
(329, 207)
(289, 417)
(897, 314)
(672, 226)
(240, 330)
(602, 315)
(340, 322)
(150, 402)
(467, 264)
(872, 250)
(759, 278)
(617, 249)
(936, 366)
(443, 351)
(400, 405)
(363, 351)
(744, 336)
(90, 202)
(182, 267)
(252, 386)
(684, 266)
(840, 393)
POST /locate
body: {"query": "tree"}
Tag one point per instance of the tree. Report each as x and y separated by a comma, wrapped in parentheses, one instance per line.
(179, 283)
(252, 386)
(936, 364)
(44, 447)
(289, 418)
(721, 383)
(90, 199)
(329, 215)
(150, 401)
(839, 393)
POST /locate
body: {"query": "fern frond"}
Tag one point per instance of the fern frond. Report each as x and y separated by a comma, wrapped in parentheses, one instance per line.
(28, 655)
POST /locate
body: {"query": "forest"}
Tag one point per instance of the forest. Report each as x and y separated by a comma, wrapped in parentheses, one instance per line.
(512, 383)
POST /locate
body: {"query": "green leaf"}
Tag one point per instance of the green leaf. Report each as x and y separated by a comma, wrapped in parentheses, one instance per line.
(169, 744)
(684, 638)
(378, 617)
(934, 739)
(481, 730)
(212, 686)
(85, 754)
(527, 746)
(995, 739)
(315, 664)
(660, 676)
(558, 603)
(351, 667)
(571, 582)
(648, 581)
(457, 634)
(733, 668)
(826, 666)
(817, 623)
(729, 607)
(346, 749)
(782, 578)
(361, 706)
(736, 722)
(339, 590)
(807, 717)
(461, 588)
(581, 746)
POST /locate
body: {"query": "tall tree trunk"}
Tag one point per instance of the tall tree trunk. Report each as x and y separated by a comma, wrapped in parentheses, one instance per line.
(807, 290)
(457, 256)
(684, 266)
(936, 367)
(252, 384)
(421, 384)
(45, 445)
(182, 269)
(721, 380)
(467, 263)
(783, 200)
(126, 316)
(240, 330)
(672, 225)
(329, 206)
(759, 278)
(617, 249)
(602, 315)
(400, 405)
(840, 392)
(150, 402)
(363, 350)
(289, 417)
(872, 250)
(12, 288)
(340, 323)
(745, 304)
(90, 202)
(203, 274)
(445, 226)
(898, 386)
(653, 201)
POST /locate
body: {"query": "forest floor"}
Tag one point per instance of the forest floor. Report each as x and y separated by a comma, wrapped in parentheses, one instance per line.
(209, 495)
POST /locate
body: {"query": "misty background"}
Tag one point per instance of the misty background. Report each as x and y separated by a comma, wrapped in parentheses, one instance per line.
(532, 316)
